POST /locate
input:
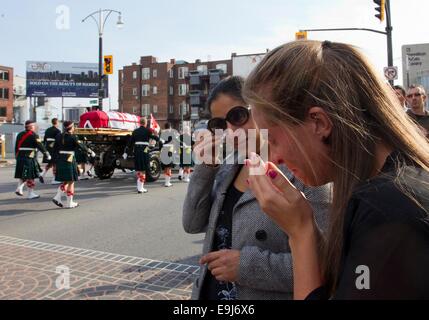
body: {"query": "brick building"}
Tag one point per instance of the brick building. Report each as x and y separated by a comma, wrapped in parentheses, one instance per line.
(166, 89)
(6, 94)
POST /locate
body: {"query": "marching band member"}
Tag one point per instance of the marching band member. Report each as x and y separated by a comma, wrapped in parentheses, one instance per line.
(169, 146)
(139, 142)
(27, 168)
(49, 142)
(185, 151)
(66, 145)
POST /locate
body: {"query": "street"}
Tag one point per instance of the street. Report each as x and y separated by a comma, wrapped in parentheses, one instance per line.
(112, 218)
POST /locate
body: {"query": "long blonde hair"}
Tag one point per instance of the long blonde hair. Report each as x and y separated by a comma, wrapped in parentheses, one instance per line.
(363, 108)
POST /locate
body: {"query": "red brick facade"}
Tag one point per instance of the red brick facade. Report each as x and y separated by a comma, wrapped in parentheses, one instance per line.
(162, 88)
(6, 94)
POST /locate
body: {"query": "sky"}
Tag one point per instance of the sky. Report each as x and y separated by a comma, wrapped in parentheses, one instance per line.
(196, 29)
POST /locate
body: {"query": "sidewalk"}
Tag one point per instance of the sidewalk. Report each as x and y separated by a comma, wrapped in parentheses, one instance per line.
(9, 161)
(32, 270)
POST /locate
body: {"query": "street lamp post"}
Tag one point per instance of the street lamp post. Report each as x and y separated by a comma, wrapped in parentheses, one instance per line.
(103, 15)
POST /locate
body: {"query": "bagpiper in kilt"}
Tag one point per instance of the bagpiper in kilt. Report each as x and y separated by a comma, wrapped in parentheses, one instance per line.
(27, 167)
(66, 145)
(167, 152)
(185, 152)
(49, 142)
(139, 142)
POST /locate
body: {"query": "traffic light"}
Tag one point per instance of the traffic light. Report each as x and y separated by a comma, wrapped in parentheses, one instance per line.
(381, 9)
(301, 35)
(108, 64)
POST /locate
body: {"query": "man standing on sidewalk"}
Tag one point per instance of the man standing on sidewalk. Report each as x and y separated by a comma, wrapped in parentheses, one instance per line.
(416, 98)
(27, 168)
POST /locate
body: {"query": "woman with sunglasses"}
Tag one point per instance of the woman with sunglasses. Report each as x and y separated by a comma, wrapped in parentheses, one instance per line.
(332, 118)
(246, 255)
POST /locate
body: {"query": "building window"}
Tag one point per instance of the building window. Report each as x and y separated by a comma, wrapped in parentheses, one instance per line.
(121, 94)
(155, 73)
(155, 90)
(3, 111)
(145, 110)
(4, 93)
(183, 72)
(146, 73)
(145, 90)
(134, 91)
(171, 109)
(155, 109)
(134, 75)
(202, 69)
(4, 75)
(135, 110)
(223, 67)
(183, 89)
(122, 77)
(171, 90)
(171, 73)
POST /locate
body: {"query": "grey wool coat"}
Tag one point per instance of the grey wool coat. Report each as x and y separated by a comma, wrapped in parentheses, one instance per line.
(265, 269)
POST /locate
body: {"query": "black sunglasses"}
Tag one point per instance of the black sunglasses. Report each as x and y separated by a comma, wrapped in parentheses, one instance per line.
(237, 116)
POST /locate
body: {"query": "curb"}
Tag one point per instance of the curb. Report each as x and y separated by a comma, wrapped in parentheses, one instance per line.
(6, 163)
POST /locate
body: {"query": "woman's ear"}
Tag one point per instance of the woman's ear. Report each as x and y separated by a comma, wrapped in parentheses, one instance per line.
(321, 123)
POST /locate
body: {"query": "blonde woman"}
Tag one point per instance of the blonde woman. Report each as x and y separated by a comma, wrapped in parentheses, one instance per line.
(333, 119)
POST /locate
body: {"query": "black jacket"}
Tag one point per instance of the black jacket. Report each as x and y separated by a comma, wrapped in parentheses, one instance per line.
(386, 236)
(32, 141)
(141, 134)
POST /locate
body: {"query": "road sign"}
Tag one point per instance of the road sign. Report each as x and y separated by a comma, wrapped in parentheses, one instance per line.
(391, 73)
(301, 35)
(108, 64)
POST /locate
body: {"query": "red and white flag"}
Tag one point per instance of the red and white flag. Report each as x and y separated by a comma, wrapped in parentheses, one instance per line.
(154, 124)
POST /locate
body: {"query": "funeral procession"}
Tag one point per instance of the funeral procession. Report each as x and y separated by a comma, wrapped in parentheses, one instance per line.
(281, 155)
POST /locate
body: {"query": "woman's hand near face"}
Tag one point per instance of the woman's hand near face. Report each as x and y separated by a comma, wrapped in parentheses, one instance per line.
(205, 150)
(279, 198)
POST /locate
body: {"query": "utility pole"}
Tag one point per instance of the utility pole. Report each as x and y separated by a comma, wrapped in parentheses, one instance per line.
(384, 13)
(103, 15)
(389, 30)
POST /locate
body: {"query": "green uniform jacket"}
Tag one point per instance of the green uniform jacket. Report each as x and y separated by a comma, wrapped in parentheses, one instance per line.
(27, 167)
(65, 148)
(49, 142)
(139, 141)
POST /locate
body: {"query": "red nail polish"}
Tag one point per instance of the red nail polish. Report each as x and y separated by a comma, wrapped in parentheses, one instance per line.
(273, 174)
(248, 182)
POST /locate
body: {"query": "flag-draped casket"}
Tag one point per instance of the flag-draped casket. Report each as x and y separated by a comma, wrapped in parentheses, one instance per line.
(109, 120)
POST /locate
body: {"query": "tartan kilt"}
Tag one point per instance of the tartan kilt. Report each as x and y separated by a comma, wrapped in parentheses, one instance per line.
(186, 159)
(27, 168)
(66, 170)
(81, 156)
(141, 159)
